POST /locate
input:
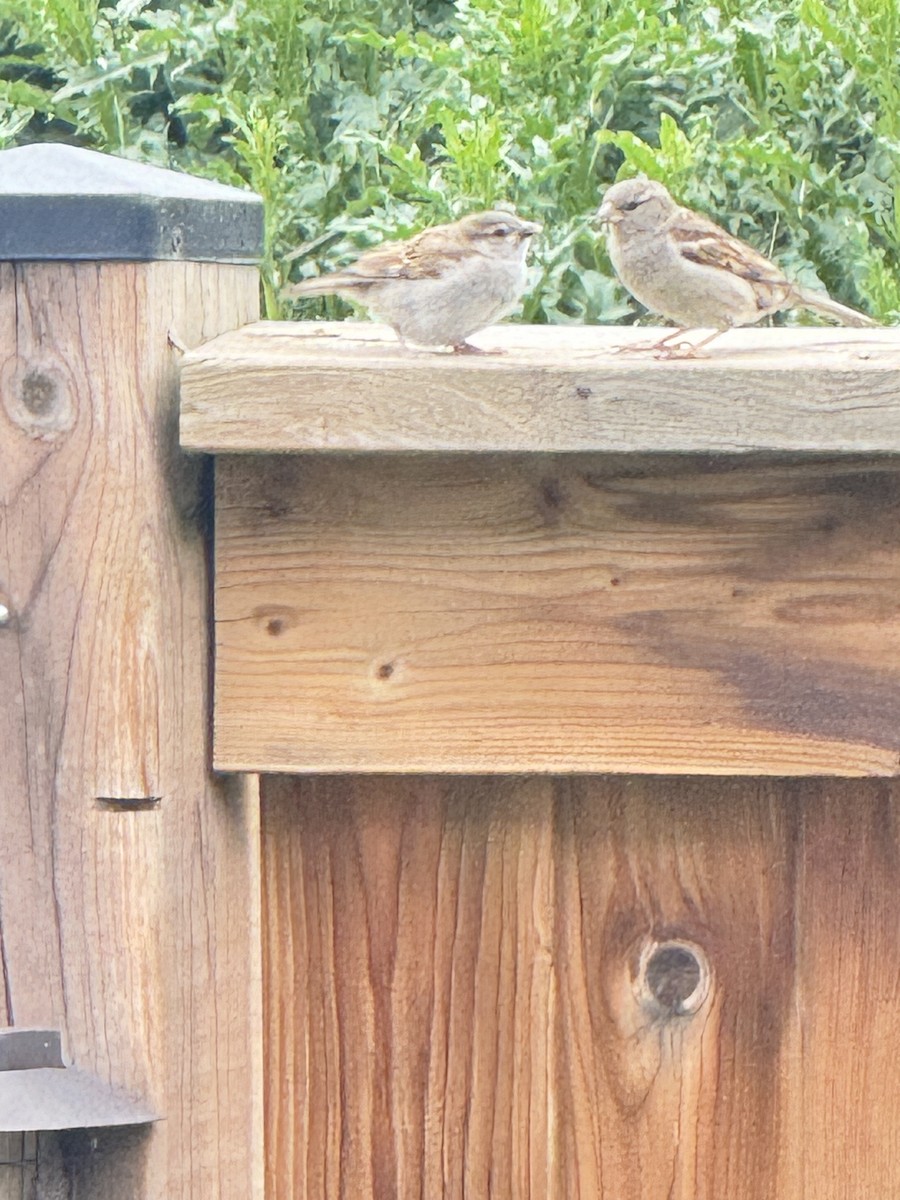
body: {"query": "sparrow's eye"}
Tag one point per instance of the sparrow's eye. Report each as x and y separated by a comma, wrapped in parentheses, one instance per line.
(632, 205)
(501, 231)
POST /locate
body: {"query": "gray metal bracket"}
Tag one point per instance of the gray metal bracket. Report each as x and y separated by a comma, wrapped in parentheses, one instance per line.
(39, 1091)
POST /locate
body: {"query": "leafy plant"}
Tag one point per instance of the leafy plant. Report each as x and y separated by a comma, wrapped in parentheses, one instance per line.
(358, 120)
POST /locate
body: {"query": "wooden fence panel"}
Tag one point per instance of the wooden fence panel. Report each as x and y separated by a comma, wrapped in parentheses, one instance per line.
(459, 1003)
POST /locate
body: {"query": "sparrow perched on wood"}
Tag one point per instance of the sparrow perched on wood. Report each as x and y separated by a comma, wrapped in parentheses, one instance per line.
(442, 285)
(686, 268)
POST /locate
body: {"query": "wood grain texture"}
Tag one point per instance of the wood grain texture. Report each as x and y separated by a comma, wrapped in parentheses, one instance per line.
(128, 915)
(350, 386)
(558, 613)
(18, 1166)
(840, 1053)
(454, 1005)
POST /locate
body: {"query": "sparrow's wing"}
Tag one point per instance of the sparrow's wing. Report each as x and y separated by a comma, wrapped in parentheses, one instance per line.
(703, 242)
(428, 255)
(385, 262)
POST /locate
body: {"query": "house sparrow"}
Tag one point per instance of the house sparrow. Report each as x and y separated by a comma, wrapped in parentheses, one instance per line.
(442, 285)
(690, 270)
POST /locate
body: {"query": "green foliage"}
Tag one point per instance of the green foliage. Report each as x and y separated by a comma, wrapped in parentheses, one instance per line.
(363, 119)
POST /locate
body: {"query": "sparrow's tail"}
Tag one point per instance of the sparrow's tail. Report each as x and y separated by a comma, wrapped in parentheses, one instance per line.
(325, 285)
(823, 304)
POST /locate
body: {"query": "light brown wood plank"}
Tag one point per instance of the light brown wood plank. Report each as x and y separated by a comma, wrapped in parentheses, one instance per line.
(843, 1032)
(128, 876)
(663, 1106)
(454, 1002)
(558, 613)
(350, 386)
(383, 1018)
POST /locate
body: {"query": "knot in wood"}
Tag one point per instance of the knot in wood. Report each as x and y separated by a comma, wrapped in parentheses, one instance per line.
(39, 400)
(673, 978)
(39, 393)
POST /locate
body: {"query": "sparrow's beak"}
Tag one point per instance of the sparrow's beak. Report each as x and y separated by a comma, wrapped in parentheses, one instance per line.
(529, 229)
(607, 214)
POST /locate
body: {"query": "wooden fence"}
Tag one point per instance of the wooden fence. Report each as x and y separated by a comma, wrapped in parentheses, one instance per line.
(570, 680)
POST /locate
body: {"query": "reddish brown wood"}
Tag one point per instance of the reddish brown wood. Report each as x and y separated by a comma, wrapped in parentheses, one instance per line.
(454, 1002)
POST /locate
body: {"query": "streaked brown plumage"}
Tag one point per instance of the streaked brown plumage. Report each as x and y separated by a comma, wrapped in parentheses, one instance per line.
(686, 268)
(441, 286)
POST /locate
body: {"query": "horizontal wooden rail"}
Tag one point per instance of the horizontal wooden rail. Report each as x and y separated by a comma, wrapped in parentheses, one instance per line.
(477, 613)
(279, 386)
(635, 606)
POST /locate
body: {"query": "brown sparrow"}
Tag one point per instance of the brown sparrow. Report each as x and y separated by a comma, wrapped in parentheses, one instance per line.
(691, 271)
(442, 285)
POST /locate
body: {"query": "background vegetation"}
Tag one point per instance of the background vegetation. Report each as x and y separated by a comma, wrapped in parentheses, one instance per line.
(361, 119)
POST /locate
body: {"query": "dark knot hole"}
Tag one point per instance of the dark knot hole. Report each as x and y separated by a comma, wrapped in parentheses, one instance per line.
(675, 977)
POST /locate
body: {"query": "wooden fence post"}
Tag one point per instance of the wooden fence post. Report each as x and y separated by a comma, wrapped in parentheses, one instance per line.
(128, 874)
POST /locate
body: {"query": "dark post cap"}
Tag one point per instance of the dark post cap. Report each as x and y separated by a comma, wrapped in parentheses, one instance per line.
(62, 202)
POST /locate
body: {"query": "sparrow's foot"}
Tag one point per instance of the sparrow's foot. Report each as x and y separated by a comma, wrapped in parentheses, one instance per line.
(679, 350)
(686, 349)
(468, 348)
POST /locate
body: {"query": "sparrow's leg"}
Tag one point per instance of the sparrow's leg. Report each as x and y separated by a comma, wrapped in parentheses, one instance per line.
(468, 348)
(647, 347)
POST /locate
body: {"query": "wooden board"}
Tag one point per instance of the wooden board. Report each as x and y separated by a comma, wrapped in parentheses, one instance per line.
(455, 1004)
(128, 875)
(558, 613)
(18, 1166)
(350, 386)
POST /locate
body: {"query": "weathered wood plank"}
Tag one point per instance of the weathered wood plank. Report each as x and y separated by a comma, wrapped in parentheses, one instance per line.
(841, 1037)
(455, 1004)
(349, 386)
(122, 862)
(18, 1166)
(568, 613)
